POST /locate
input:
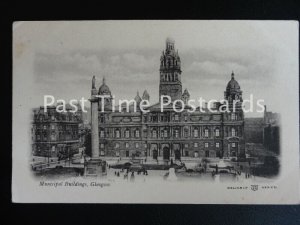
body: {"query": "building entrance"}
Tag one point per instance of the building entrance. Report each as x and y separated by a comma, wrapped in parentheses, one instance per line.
(166, 153)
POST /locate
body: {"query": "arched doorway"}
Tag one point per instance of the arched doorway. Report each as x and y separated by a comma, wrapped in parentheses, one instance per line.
(155, 154)
(166, 153)
(177, 154)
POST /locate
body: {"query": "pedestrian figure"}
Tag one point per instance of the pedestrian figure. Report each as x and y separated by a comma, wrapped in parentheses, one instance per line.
(118, 174)
(132, 177)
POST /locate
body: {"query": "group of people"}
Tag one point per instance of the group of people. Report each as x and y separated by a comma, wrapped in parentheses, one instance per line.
(132, 174)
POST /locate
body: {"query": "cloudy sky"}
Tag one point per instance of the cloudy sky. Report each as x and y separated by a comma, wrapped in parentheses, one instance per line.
(67, 54)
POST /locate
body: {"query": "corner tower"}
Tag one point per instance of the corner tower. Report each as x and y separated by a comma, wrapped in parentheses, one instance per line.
(170, 72)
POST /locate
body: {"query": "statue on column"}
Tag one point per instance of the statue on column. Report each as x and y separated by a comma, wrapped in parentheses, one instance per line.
(93, 82)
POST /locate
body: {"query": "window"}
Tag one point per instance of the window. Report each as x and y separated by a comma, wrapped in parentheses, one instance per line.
(196, 132)
(101, 145)
(233, 145)
(102, 133)
(186, 132)
(185, 118)
(52, 126)
(101, 153)
(145, 145)
(52, 118)
(233, 116)
(195, 145)
(206, 145)
(126, 133)
(217, 132)
(52, 137)
(186, 145)
(217, 145)
(186, 153)
(117, 134)
(137, 145)
(176, 118)
(176, 133)
(126, 145)
(38, 137)
(45, 127)
(165, 133)
(206, 132)
(117, 145)
(117, 153)
(137, 133)
(233, 133)
(154, 133)
(53, 148)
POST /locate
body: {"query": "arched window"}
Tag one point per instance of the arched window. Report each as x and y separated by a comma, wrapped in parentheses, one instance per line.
(186, 132)
(217, 132)
(196, 132)
(127, 133)
(117, 133)
(206, 133)
(137, 133)
(233, 132)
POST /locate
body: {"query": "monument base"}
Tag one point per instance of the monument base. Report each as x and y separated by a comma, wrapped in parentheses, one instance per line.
(95, 167)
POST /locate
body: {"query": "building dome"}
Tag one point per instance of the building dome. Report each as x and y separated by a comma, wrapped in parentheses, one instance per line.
(233, 84)
(104, 89)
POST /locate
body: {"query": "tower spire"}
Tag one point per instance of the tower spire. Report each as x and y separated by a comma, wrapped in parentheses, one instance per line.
(232, 75)
(103, 80)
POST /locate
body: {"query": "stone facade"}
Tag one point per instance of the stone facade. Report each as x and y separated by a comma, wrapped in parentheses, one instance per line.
(55, 134)
(170, 134)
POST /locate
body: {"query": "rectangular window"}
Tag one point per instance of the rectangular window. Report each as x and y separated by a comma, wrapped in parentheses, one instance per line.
(176, 133)
(195, 132)
(154, 134)
(101, 153)
(233, 145)
(117, 153)
(186, 153)
(233, 117)
(217, 145)
(186, 145)
(217, 132)
(137, 145)
(102, 133)
(195, 145)
(206, 145)
(126, 145)
(206, 133)
(101, 145)
(165, 133)
(137, 133)
(117, 134)
(176, 117)
(117, 145)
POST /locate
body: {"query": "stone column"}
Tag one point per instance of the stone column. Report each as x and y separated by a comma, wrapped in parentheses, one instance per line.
(95, 124)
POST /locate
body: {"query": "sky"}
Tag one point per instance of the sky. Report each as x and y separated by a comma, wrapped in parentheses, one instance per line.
(66, 55)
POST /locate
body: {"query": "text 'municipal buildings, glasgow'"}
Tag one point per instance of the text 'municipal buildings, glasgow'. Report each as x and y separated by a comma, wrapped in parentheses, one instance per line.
(168, 134)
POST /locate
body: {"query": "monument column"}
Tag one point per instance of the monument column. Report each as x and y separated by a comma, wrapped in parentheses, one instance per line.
(94, 167)
(94, 121)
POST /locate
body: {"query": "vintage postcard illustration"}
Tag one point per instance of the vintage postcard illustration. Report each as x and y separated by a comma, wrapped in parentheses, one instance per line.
(156, 112)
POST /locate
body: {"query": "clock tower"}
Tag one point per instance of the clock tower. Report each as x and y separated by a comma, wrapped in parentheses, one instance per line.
(170, 72)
